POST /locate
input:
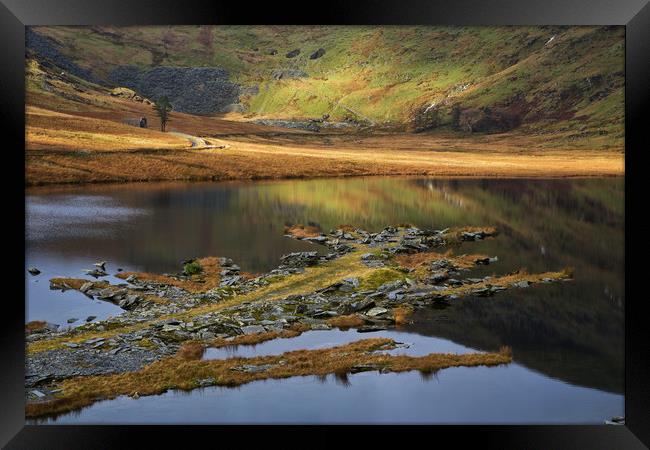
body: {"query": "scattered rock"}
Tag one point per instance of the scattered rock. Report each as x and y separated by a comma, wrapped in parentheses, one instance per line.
(377, 311)
(34, 271)
(253, 329)
(317, 54)
(293, 53)
(37, 393)
(96, 273)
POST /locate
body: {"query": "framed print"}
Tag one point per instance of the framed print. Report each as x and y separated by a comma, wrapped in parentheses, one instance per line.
(382, 214)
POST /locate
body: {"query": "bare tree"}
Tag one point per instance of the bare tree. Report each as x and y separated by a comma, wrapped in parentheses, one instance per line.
(163, 109)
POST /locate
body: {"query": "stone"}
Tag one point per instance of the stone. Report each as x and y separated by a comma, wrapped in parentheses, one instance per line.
(96, 273)
(521, 284)
(86, 286)
(90, 318)
(34, 271)
(253, 368)
(362, 305)
(370, 328)
(293, 53)
(377, 311)
(37, 393)
(72, 320)
(194, 90)
(106, 293)
(253, 329)
(317, 54)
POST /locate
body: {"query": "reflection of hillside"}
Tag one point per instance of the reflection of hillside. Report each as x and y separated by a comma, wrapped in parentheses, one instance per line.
(573, 331)
(553, 329)
(575, 223)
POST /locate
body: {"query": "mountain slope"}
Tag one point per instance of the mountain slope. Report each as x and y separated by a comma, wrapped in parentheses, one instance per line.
(474, 79)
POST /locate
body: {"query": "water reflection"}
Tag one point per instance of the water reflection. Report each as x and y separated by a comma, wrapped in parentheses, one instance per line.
(509, 394)
(570, 331)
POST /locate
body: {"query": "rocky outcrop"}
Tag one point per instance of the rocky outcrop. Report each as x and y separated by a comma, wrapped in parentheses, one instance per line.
(48, 50)
(485, 120)
(194, 90)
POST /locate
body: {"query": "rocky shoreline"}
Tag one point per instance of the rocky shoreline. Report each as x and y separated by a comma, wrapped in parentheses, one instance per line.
(368, 281)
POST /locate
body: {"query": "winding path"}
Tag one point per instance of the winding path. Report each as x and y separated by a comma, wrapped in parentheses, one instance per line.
(197, 142)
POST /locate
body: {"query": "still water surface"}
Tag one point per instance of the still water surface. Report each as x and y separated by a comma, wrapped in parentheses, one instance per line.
(567, 338)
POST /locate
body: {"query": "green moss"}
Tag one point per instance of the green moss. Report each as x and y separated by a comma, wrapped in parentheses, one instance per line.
(381, 276)
(192, 268)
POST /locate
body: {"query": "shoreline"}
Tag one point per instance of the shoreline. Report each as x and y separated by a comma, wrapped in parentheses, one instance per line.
(181, 181)
(241, 165)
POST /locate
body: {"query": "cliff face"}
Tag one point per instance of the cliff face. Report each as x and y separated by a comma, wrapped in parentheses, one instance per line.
(473, 79)
(195, 90)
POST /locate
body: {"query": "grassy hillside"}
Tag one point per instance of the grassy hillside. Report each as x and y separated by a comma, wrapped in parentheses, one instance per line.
(537, 79)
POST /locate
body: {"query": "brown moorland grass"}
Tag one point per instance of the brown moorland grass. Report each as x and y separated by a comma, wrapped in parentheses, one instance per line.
(178, 373)
(345, 322)
(454, 235)
(92, 146)
(347, 228)
(209, 278)
(258, 338)
(302, 231)
(415, 260)
(190, 351)
(401, 314)
(507, 281)
(46, 129)
(35, 325)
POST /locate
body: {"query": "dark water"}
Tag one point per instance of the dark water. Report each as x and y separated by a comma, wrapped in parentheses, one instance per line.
(567, 338)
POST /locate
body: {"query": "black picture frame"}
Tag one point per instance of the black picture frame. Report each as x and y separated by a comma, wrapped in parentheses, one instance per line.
(633, 14)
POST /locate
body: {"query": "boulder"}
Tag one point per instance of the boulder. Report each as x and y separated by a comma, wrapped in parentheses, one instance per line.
(253, 329)
(317, 54)
(293, 53)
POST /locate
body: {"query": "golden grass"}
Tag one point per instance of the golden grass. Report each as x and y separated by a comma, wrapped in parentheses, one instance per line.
(302, 231)
(416, 260)
(347, 228)
(74, 149)
(345, 322)
(35, 325)
(191, 351)
(179, 373)
(258, 338)
(46, 129)
(506, 281)
(209, 278)
(455, 234)
(401, 314)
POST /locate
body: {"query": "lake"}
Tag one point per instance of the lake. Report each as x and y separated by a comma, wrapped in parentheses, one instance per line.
(567, 338)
